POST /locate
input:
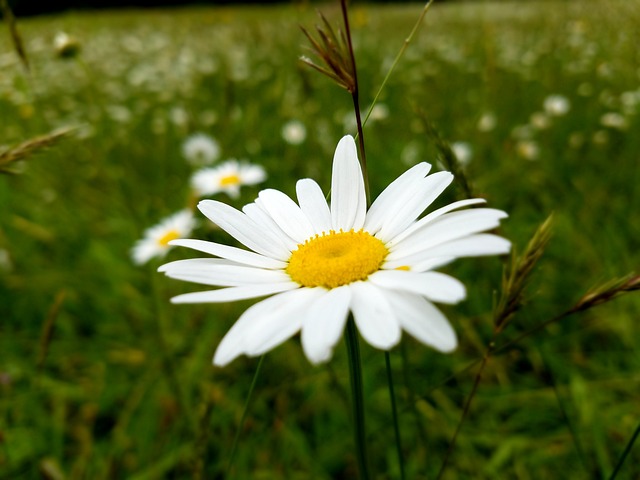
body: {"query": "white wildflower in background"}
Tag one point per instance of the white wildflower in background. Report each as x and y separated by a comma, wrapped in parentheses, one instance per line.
(156, 239)
(294, 132)
(556, 105)
(487, 122)
(614, 120)
(630, 101)
(178, 116)
(379, 112)
(528, 149)
(227, 177)
(5, 260)
(463, 152)
(119, 113)
(320, 262)
(200, 149)
(65, 45)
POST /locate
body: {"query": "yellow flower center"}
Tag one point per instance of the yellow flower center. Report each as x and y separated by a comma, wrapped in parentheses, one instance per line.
(167, 237)
(230, 180)
(337, 258)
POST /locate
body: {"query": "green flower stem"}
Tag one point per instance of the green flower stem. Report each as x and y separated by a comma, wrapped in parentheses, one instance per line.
(394, 412)
(625, 454)
(247, 402)
(357, 398)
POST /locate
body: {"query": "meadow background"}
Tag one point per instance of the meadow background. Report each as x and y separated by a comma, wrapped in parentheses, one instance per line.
(101, 377)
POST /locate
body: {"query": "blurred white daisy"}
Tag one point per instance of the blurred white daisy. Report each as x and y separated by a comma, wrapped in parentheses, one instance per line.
(528, 149)
(487, 122)
(380, 111)
(294, 132)
(178, 116)
(614, 120)
(156, 239)
(463, 152)
(320, 262)
(200, 149)
(5, 260)
(556, 105)
(227, 177)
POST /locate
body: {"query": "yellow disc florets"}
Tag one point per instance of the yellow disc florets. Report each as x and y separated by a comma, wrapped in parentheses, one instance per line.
(167, 237)
(335, 259)
(232, 179)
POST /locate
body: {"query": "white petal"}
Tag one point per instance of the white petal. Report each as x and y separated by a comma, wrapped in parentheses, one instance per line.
(194, 262)
(226, 275)
(446, 228)
(260, 216)
(324, 322)
(436, 286)
(374, 317)
(232, 294)
(429, 264)
(266, 322)
(286, 213)
(348, 199)
(388, 202)
(314, 205)
(432, 216)
(412, 203)
(230, 253)
(472, 246)
(281, 321)
(252, 174)
(420, 319)
(243, 229)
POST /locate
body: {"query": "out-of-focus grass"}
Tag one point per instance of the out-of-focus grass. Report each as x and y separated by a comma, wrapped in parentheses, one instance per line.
(124, 387)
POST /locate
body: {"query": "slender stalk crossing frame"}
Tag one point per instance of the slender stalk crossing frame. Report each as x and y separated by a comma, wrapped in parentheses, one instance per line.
(236, 438)
(357, 398)
(394, 411)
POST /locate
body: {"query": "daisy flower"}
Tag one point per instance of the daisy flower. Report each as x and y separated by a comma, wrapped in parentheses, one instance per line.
(200, 149)
(557, 105)
(318, 262)
(463, 152)
(227, 177)
(156, 239)
(294, 132)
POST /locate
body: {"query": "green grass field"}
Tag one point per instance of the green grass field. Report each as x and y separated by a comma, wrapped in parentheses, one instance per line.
(101, 377)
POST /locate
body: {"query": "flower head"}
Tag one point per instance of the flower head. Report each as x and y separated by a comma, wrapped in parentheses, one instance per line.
(156, 241)
(200, 149)
(65, 45)
(320, 261)
(294, 132)
(227, 177)
(557, 105)
(463, 152)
